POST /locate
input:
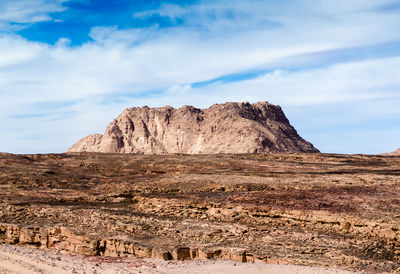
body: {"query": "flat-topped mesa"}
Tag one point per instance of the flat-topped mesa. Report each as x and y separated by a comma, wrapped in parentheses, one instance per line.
(222, 128)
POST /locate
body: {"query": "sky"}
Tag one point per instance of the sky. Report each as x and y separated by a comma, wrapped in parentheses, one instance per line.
(69, 67)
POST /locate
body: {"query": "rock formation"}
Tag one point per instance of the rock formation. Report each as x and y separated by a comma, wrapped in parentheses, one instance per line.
(222, 128)
(394, 153)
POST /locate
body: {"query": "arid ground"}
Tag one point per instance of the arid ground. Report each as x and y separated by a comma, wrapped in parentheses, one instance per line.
(323, 210)
(28, 260)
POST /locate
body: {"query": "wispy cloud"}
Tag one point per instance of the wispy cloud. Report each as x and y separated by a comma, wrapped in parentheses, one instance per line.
(16, 14)
(299, 54)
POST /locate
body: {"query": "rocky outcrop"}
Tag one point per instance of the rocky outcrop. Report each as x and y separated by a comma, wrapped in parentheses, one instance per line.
(62, 239)
(222, 128)
(394, 153)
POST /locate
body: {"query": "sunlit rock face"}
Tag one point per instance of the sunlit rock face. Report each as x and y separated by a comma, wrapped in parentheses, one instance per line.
(222, 128)
(394, 153)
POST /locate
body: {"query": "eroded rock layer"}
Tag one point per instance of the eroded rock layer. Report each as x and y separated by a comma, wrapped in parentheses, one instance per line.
(308, 209)
(224, 128)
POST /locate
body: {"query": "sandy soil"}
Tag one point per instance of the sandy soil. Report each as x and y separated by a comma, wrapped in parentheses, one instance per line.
(320, 210)
(17, 259)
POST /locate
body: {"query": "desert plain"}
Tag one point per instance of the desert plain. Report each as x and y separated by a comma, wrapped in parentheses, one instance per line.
(321, 210)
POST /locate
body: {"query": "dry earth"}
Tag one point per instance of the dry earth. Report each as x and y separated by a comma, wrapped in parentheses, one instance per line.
(16, 259)
(306, 209)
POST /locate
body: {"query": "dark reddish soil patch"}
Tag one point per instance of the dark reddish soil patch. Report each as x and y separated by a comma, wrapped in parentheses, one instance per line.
(334, 199)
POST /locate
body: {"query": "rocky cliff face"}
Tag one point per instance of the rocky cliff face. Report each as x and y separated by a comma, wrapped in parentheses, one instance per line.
(222, 128)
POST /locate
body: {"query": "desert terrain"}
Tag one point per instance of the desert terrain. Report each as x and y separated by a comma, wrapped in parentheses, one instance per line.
(321, 210)
(28, 260)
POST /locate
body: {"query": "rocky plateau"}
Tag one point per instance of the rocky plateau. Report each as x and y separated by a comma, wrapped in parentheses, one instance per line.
(222, 128)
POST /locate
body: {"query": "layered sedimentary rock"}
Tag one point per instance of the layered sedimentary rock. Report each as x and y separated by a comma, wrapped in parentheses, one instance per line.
(222, 128)
(305, 209)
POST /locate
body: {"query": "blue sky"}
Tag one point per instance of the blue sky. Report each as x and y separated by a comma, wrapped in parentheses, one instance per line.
(67, 68)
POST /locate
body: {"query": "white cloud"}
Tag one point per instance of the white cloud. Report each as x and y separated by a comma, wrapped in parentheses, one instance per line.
(362, 81)
(29, 11)
(16, 51)
(157, 66)
(112, 36)
(239, 14)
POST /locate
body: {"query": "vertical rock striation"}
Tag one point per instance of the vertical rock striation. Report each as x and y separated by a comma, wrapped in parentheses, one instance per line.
(222, 128)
